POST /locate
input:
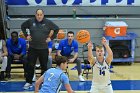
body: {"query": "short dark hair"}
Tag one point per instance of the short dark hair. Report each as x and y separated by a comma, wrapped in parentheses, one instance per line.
(14, 32)
(60, 59)
(39, 9)
(70, 32)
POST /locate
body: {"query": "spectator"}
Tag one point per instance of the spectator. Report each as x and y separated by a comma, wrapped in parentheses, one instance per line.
(16, 51)
(3, 58)
(41, 31)
(66, 47)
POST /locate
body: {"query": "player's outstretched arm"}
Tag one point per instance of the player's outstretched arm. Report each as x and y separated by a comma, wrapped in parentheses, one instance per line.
(109, 57)
(38, 83)
(68, 88)
(91, 58)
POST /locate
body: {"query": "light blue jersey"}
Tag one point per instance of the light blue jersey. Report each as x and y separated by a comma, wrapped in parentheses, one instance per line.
(53, 79)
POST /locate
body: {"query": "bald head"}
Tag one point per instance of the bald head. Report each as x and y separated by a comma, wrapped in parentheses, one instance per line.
(40, 10)
(39, 15)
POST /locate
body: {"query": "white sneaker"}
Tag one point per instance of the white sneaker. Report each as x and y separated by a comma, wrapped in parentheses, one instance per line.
(37, 65)
(34, 77)
(81, 78)
(27, 86)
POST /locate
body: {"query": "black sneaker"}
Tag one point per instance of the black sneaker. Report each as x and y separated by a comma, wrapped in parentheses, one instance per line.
(8, 76)
(2, 77)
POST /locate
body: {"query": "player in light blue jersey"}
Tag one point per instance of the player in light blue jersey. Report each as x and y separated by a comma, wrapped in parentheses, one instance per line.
(53, 78)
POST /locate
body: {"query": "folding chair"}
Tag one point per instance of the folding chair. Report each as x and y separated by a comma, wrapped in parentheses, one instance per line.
(86, 66)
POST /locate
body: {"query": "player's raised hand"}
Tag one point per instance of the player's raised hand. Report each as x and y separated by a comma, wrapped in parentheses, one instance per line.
(90, 44)
(104, 41)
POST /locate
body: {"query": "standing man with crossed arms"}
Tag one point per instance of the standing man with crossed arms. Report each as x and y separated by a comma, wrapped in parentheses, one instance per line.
(101, 75)
(41, 31)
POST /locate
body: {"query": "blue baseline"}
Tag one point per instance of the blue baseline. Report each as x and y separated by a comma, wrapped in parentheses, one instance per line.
(15, 86)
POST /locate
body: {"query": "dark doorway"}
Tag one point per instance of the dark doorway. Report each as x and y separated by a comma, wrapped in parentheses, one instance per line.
(121, 48)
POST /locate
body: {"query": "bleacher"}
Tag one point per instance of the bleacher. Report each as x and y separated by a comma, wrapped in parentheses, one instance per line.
(87, 17)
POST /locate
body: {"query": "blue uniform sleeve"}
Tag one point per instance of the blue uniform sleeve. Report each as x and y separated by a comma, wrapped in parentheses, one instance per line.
(8, 47)
(76, 47)
(60, 45)
(65, 79)
(50, 44)
(23, 52)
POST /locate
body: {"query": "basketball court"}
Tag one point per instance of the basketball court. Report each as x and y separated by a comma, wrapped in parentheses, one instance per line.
(90, 16)
(125, 79)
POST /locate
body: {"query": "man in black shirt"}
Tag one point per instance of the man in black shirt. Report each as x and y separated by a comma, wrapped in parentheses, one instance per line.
(40, 32)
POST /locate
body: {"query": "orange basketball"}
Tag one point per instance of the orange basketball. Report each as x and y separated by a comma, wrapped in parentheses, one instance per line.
(21, 35)
(61, 34)
(83, 36)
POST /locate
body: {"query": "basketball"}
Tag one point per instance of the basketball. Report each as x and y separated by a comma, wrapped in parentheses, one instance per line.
(21, 35)
(83, 36)
(61, 34)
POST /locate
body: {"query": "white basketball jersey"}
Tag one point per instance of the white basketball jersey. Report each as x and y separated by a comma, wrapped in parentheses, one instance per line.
(101, 73)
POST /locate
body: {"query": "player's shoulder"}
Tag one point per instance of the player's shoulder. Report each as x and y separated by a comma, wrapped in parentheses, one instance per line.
(63, 41)
(75, 41)
(22, 40)
(51, 69)
(64, 76)
(8, 41)
(55, 70)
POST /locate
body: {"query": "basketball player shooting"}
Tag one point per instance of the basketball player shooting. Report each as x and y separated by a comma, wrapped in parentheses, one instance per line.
(101, 66)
